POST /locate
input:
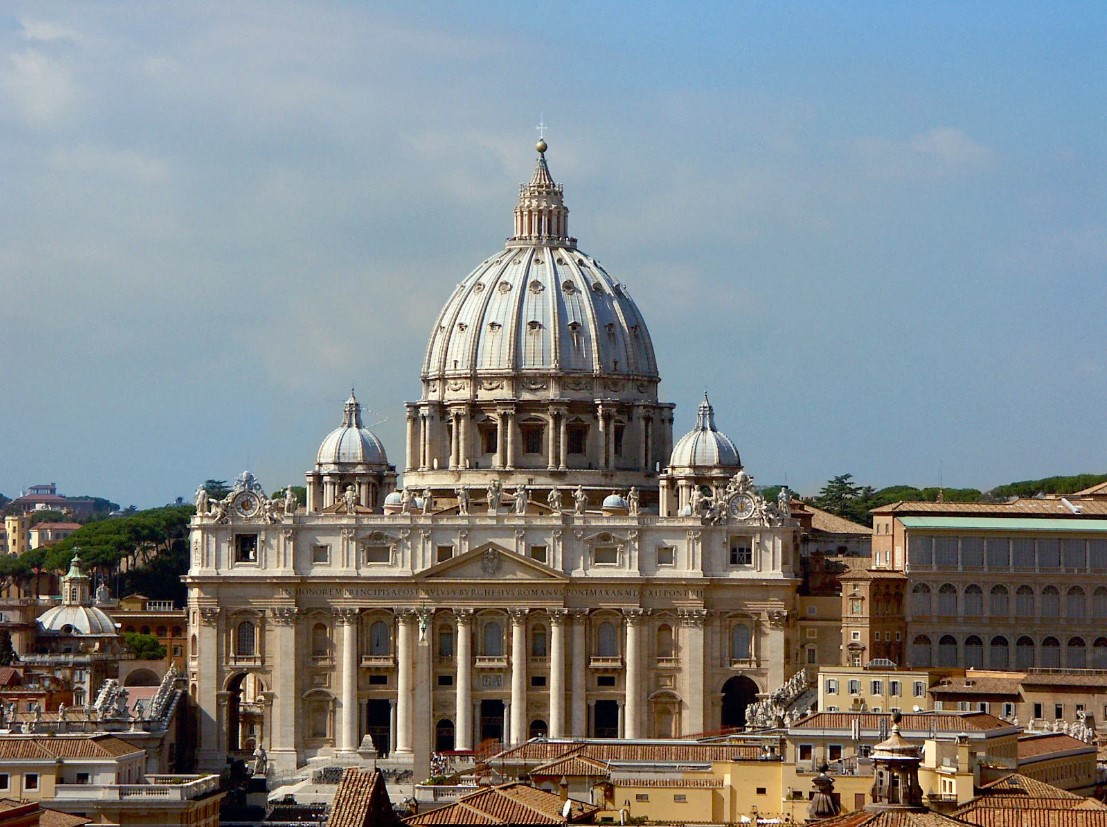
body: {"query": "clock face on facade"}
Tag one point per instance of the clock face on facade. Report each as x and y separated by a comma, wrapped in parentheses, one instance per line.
(741, 507)
(247, 504)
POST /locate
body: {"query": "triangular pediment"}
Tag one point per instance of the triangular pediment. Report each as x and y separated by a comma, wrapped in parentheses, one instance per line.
(492, 562)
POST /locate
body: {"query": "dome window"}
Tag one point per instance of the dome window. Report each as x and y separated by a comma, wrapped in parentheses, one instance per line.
(538, 261)
(561, 261)
(568, 288)
(461, 326)
(536, 286)
(494, 326)
(597, 287)
(534, 325)
(504, 287)
(478, 287)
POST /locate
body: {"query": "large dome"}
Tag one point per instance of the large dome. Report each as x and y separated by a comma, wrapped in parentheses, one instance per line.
(351, 443)
(705, 446)
(540, 306)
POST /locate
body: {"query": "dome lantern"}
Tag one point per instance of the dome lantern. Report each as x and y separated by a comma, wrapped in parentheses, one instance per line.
(541, 215)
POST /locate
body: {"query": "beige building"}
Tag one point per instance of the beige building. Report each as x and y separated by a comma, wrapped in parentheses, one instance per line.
(555, 564)
(1014, 585)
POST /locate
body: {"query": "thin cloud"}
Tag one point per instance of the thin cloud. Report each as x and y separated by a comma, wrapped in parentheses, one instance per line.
(938, 153)
(37, 88)
(47, 31)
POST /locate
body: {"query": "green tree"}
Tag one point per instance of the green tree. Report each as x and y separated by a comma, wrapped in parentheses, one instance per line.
(143, 647)
(841, 496)
(217, 489)
(7, 651)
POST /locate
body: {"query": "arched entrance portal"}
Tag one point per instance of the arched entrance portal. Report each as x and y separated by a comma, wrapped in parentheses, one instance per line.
(738, 693)
(378, 724)
(245, 713)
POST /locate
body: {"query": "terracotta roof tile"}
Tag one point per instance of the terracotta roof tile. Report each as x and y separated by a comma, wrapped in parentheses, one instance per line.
(571, 765)
(976, 686)
(362, 801)
(1038, 745)
(1019, 785)
(890, 818)
(832, 523)
(64, 746)
(53, 818)
(911, 722)
(1049, 507)
(989, 817)
(514, 804)
(630, 751)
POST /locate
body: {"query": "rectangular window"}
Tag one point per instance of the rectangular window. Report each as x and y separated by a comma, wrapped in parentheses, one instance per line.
(245, 548)
(5, 781)
(620, 431)
(741, 554)
(812, 634)
(982, 706)
(577, 435)
(666, 556)
(443, 553)
(1008, 710)
(320, 555)
(812, 611)
(488, 442)
(84, 778)
(811, 655)
(1059, 712)
(378, 680)
(920, 689)
(832, 686)
(605, 555)
(641, 797)
(178, 651)
(30, 781)
(538, 680)
(1038, 710)
(855, 635)
(854, 686)
(834, 752)
(605, 680)
(893, 688)
(445, 680)
(539, 553)
(680, 798)
(532, 439)
(876, 687)
(446, 643)
(761, 791)
(378, 555)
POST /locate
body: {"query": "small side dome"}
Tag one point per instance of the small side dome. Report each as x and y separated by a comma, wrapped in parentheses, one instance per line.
(395, 498)
(76, 620)
(705, 446)
(351, 444)
(614, 501)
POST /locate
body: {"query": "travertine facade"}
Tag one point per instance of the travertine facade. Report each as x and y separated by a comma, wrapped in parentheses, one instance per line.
(546, 568)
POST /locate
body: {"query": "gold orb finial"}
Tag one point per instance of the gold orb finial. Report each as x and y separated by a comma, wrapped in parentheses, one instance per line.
(541, 145)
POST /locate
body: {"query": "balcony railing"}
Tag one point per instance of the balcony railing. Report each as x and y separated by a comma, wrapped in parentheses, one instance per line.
(605, 662)
(159, 606)
(157, 788)
(668, 662)
(378, 661)
(491, 662)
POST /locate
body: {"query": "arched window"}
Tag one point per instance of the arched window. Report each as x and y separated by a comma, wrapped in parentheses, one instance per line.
(444, 735)
(1099, 603)
(1099, 653)
(920, 600)
(920, 651)
(999, 653)
(1051, 602)
(1024, 602)
(1024, 653)
(947, 651)
(380, 639)
(1075, 604)
(1051, 653)
(664, 641)
(974, 652)
(538, 642)
(177, 632)
(320, 641)
(245, 639)
(999, 602)
(492, 640)
(1077, 654)
(607, 644)
(974, 601)
(192, 651)
(160, 631)
(538, 729)
(740, 641)
(947, 600)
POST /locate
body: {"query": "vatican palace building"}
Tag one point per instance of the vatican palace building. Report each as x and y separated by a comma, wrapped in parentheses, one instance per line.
(555, 563)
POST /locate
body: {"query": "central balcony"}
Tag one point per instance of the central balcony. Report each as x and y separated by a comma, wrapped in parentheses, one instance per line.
(604, 662)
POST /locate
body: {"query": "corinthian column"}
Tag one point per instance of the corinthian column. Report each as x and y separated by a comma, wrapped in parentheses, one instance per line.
(405, 657)
(518, 676)
(282, 741)
(463, 728)
(633, 711)
(347, 621)
(692, 668)
(580, 674)
(557, 672)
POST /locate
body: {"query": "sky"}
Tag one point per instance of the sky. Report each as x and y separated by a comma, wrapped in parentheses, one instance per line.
(875, 233)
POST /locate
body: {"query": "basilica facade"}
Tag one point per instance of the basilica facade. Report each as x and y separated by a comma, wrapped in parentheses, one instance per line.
(553, 565)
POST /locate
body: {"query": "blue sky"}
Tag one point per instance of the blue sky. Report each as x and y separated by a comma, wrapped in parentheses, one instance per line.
(876, 233)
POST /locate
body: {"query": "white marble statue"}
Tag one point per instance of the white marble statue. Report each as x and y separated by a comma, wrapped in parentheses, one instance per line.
(580, 501)
(462, 493)
(428, 501)
(202, 505)
(289, 501)
(632, 501)
(553, 500)
(349, 499)
(521, 497)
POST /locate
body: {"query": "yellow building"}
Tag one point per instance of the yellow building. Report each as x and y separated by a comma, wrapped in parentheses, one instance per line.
(17, 528)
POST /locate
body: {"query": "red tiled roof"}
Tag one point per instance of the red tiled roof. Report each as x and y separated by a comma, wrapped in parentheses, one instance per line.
(1010, 817)
(890, 818)
(509, 804)
(362, 801)
(1033, 745)
(630, 751)
(910, 722)
(1048, 507)
(1023, 786)
(571, 765)
(63, 746)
